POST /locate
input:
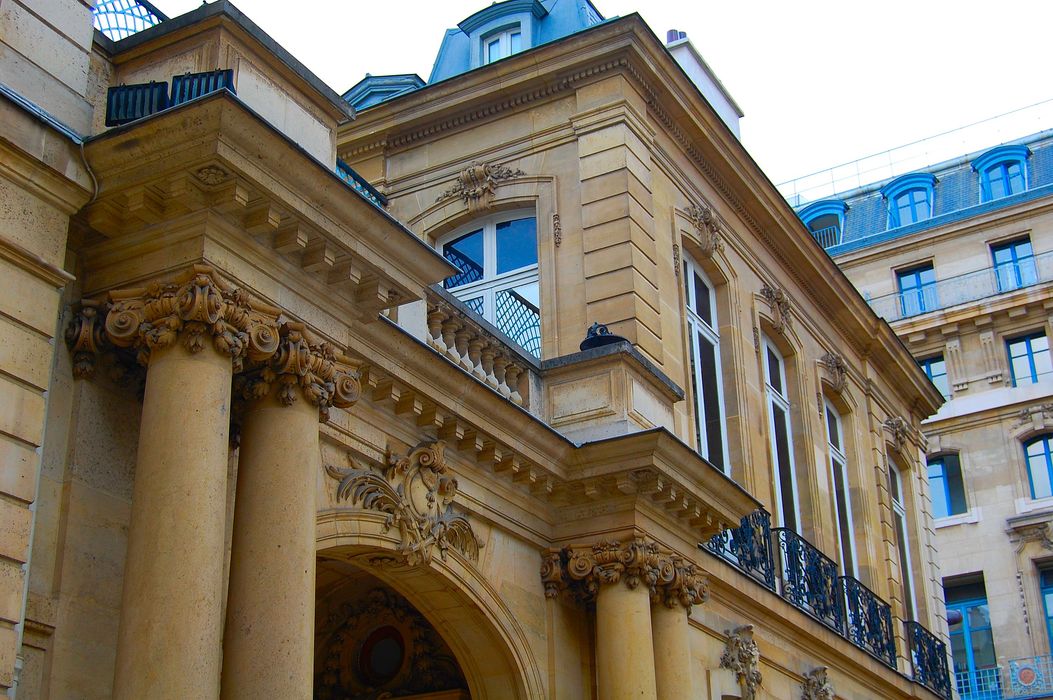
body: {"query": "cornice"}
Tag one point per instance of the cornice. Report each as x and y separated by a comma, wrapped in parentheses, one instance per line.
(39, 178)
(34, 264)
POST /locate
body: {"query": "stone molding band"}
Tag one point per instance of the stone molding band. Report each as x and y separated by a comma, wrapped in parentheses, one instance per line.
(671, 579)
(199, 305)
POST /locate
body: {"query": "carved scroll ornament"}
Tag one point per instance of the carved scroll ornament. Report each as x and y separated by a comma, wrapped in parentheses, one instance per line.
(704, 221)
(816, 685)
(742, 658)
(780, 307)
(477, 184)
(900, 430)
(836, 370)
(416, 493)
(670, 579)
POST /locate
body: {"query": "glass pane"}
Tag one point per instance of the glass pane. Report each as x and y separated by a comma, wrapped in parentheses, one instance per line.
(467, 254)
(1038, 467)
(983, 648)
(843, 521)
(832, 429)
(703, 305)
(710, 400)
(493, 50)
(1022, 371)
(784, 467)
(904, 565)
(517, 316)
(979, 616)
(955, 485)
(516, 244)
(475, 304)
(1043, 368)
(774, 373)
(517, 42)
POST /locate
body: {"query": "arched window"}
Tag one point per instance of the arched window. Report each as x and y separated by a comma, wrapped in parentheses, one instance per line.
(946, 486)
(704, 346)
(909, 199)
(826, 221)
(498, 278)
(835, 445)
(899, 524)
(781, 436)
(1039, 454)
(1003, 171)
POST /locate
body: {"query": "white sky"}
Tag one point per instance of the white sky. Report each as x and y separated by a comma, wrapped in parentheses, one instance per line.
(821, 82)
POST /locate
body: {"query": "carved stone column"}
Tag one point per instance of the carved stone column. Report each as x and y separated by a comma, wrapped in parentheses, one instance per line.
(189, 334)
(268, 645)
(679, 587)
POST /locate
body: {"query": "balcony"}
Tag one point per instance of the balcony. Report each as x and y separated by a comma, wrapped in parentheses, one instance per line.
(828, 237)
(981, 684)
(808, 579)
(961, 289)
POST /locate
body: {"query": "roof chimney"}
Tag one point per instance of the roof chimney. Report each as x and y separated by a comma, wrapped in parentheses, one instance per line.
(674, 35)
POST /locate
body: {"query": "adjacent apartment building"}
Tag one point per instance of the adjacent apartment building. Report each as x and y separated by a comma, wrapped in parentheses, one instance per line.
(519, 382)
(958, 258)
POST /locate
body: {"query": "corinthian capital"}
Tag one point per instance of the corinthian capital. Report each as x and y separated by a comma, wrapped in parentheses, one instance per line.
(303, 366)
(582, 570)
(192, 309)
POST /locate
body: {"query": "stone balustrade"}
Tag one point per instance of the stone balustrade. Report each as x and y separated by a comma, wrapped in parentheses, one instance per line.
(480, 349)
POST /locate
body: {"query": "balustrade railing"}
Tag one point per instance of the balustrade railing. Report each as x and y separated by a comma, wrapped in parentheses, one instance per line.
(747, 548)
(359, 184)
(928, 658)
(868, 621)
(810, 579)
(980, 684)
(960, 289)
(828, 237)
(1030, 677)
(469, 341)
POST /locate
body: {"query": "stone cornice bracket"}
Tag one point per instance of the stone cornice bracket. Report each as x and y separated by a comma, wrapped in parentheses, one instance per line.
(416, 493)
(705, 222)
(817, 686)
(780, 307)
(324, 377)
(1021, 534)
(836, 370)
(900, 430)
(86, 337)
(741, 657)
(196, 305)
(582, 570)
(477, 184)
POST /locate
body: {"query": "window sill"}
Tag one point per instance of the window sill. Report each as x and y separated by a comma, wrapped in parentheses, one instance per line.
(969, 517)
(1030, 505)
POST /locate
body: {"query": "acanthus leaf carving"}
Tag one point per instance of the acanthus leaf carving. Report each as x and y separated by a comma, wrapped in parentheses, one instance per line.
(705, 222)
(557, 230)
(816, 685)
(742, 657)
(780, 307)
(86, 337)
(900, 430)
(836, 369)
(416, 493)
(477, 184)
(1021, 535)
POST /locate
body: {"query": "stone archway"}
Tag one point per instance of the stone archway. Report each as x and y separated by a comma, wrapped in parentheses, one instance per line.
(488, 644)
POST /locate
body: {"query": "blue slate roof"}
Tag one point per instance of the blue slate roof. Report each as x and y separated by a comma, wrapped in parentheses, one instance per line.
(374, 89)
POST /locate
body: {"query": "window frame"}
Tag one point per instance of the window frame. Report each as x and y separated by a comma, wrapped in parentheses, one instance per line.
(963, 606)
(1001, 157)
(926, 301)
(1047, 440)
(900, 527)
(1033, 376)
(945, 484)
(780, 399)
(837, 458)
(904, 186)
(1014, 264)
(493, 282)
(504, 35)
(926, 363)
(698, 326)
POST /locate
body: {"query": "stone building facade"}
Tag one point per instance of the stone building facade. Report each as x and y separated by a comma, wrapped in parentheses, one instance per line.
(291, 449)
(957, 258)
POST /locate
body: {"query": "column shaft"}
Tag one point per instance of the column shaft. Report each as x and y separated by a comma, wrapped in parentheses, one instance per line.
(171, 623)
(269, 640)
(624, 653)
(672, 652)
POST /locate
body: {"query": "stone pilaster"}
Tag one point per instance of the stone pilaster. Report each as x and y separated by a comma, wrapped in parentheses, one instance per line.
(679, 587)
(268, 645)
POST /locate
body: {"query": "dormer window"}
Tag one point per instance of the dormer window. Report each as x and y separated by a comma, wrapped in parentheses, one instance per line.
(909, 199)
(502, 44)
(1003, 171)
(825, 220)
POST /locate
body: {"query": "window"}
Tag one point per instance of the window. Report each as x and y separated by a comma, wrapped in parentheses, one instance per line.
(946, 486)
(936, 370)
(826, 220)
(917, 289)
(899, 522)
(1046, 581)
(502, 44)
(835, 444)
(1014, 264)
(1040, 466)
(704, 342)
(1029, 360)
(909, 199)
(498, 278)
(972, 644)
(781, 435)
(1003, 171)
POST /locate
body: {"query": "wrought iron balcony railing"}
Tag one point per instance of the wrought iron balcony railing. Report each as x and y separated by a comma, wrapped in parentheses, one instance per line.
(358, 184)
(810, 579)
(961, 289)
(868, 620)
(748, 548)
(980, 684)
(928, 658)
(828, 237)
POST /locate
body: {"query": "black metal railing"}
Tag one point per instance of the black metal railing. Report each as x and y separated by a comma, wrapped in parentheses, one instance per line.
(810, 579)
(747, 548)
(189, 86)
(868, 621)
(928, 658)
(358, 184)
(126, 103)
